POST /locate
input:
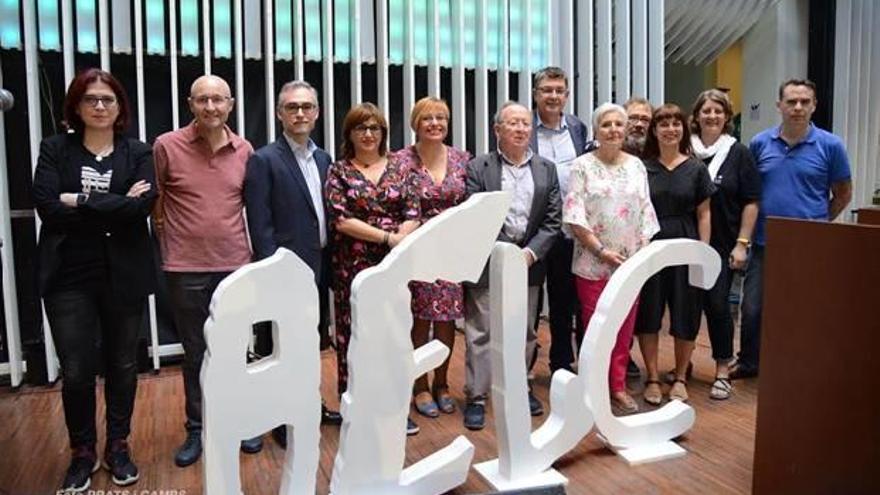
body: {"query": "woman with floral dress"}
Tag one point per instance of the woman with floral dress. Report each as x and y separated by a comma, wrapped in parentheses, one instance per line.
(608, 209)
(372, 205)
(438, 173)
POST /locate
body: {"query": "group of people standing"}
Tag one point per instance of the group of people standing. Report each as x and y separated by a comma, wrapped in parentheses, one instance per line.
(579, 209)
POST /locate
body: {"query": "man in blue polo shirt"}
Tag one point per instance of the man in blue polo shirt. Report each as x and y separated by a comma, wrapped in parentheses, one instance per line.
(805, 174)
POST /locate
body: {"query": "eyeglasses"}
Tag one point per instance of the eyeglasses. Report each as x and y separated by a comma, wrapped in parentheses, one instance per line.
(525, 124)
(294, 108)
(363, 129)
(639, 118)
(93, 100)
(203, 100)
(548, 91)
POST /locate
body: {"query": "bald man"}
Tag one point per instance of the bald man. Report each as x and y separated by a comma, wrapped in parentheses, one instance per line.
(200, 171)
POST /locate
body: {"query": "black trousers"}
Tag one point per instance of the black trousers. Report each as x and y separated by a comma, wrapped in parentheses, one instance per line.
(716, 305)
(190, 297)
(78, 319)
(565, 309)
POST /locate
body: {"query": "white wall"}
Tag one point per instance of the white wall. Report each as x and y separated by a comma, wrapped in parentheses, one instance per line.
(775, 49)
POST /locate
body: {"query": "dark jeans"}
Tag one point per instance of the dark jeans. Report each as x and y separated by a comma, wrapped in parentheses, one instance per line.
(263, 344)
(190, 297)
(565, 309)
(716, 304)
(78, 318)
(752, 300)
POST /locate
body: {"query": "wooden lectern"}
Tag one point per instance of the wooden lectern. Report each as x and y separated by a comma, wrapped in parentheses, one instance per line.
(818, 423)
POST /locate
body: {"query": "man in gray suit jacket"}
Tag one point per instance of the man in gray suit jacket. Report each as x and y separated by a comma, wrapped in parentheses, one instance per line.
(532, 223)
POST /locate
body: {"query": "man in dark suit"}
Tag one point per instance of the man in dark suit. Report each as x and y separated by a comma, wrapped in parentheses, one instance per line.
(284, 195)
(532, 223)
(560, 138)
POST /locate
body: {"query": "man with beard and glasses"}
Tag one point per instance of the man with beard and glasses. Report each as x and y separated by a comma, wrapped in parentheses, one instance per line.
(638, 114)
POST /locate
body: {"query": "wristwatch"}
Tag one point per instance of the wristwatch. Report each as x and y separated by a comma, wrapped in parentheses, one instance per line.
(744, 241)
(81, 199)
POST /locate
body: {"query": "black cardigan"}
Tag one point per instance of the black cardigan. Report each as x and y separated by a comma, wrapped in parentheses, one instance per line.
(123, 220)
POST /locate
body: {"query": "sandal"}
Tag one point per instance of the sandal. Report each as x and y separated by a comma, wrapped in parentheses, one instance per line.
(670, 376)
(444, 401)
(653, 394)
(721, 388)
(426, 407)
(679, 391)
(624, 403)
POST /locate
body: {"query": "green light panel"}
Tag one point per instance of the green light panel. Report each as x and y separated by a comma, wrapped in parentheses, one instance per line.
(86, 35)
(396, 26)
(493, 25)
(421, 29)
(222, 29)
(342, 30)
(446, 55)
(155, 27)
(540, 24)
(312, 28)
(47, 17)
(283, 30)
(515, 60)
(189, 27)
(469, 15)
(10, 33)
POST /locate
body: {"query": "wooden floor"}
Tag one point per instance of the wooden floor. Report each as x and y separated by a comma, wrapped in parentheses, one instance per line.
(34, 452)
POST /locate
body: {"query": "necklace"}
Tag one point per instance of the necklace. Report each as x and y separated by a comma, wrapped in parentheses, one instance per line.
(104, 153)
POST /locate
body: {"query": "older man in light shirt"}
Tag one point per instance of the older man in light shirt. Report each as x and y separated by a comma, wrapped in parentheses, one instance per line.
(532, 223)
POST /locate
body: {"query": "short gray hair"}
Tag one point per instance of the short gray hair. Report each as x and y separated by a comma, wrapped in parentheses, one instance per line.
(604, 109)
(504, 106)
(298, 84)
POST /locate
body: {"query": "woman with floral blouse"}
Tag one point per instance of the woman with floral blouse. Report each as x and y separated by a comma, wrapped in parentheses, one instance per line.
(608, 209)
(372, 206)
(439, 176)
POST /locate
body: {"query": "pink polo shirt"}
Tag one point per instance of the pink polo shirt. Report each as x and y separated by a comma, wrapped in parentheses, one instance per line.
(201, 226)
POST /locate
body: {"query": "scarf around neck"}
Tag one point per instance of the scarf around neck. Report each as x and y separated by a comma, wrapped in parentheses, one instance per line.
(718, 151)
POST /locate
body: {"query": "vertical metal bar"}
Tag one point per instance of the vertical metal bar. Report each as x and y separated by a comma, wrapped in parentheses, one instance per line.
(622, 38)
(382, 56)
(67, 46)
(603, 55)
(35, 131)
(239, 67)
(354, 40)
(172, 54)
(434, 52)
(139, 67)
(7, 257)
(481, 84)
(656, 55)
(525, 72)
(503, 79)
(104, 34)
(327, 52)
(586, 76)
(206, 34)
(269, 61)
(639, 48)
(567, 48)
(409, 85)
(459, 119)
(298, 42)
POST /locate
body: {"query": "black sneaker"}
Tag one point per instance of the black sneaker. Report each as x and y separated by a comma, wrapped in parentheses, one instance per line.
(117, 460)
(474, 416)
(79, 475)
(252, 445)
(411, 427)
(191, 449)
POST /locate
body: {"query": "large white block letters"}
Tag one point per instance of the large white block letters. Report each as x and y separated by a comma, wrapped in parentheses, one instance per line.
(242, 401)
(453, 246)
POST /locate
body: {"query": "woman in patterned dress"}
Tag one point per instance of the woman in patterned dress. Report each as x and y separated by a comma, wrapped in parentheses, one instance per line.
(372, 205)
(608, 209)
(439, 174)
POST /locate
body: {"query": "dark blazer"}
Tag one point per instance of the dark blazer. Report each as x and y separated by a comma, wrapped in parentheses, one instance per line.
(545, 217)
(576, 128)
(280, 211)
(123, 220)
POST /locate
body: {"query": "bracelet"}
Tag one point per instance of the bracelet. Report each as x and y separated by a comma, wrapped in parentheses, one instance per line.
(744, 241)
(385, 238)
(598, 252)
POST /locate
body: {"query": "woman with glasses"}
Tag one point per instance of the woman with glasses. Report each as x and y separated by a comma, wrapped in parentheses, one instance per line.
(439, 175)
(372, 205)
(93, 189)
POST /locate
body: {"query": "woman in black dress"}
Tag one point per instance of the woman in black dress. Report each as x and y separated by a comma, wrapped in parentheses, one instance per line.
(734, 210)
(93, 189)
(680, 190)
